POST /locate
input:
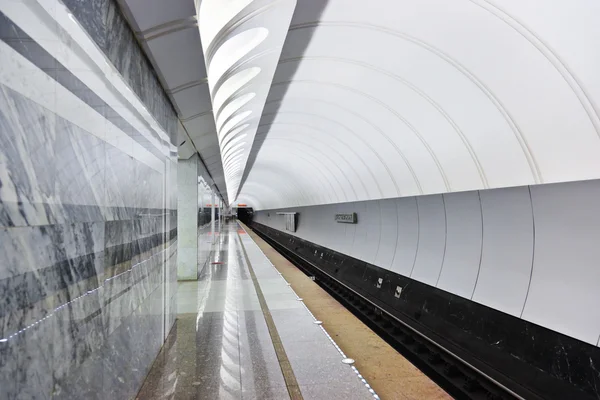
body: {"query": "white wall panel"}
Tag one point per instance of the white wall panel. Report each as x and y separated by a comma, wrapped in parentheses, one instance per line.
(263, 218)
(260, 216)
(389, 234)
(361, 228)
(507, 249)
(481, 246)
(349, 229)
(303, 223)
(338, 231)
(271, 219)
(267, 220)
(564, 294)
(463, 243)
(322, 224)
(432, 239)
(408, 235)
(312, 229)
(306, 222)
(370, 247)
(272, 222)
(315, 229)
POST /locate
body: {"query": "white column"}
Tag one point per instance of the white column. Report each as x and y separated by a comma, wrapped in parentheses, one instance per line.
(187, 218)
(212, 215)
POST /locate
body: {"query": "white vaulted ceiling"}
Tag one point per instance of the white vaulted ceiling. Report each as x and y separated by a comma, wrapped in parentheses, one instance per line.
(409, 97)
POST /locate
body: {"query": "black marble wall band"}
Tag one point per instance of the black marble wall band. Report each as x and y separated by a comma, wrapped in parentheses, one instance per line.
(545, 362)
(31, 287)
(25, 289)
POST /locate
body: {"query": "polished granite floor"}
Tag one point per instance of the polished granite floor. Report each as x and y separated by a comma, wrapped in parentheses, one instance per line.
(222, 348)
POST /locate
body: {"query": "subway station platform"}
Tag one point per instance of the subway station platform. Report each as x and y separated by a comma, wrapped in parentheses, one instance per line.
(243, 333)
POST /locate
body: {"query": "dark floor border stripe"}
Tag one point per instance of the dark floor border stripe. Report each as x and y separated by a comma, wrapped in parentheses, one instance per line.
(286, 368)
(18, 40)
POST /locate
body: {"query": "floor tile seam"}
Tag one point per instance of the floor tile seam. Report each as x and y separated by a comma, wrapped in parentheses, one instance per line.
(239, 352)
(288, 373)
(354, 369)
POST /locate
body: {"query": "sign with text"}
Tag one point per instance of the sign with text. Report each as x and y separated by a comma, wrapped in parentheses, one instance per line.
(350, 218)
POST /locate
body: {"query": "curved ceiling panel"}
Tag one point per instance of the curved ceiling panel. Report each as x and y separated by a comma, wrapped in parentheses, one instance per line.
(215, 15)
(413, 97)
(242, 43)
(233, 140)
(232, 124)
(233, 106)
(232, 51)
(232, 85)
(232, 150)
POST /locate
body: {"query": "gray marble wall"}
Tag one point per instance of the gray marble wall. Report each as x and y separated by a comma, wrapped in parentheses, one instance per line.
(88, 197)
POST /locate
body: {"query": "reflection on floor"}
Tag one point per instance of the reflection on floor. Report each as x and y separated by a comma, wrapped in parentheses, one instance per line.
(222, 348)
(388, 372)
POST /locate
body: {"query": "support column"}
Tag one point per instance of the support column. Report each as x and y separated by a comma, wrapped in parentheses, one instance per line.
(212, 216)
(187, 218)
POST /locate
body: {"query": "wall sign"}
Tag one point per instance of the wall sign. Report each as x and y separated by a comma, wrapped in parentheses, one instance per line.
(290, 220)
(350, 218)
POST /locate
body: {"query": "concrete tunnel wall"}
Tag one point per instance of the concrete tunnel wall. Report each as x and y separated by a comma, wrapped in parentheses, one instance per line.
(531, 251)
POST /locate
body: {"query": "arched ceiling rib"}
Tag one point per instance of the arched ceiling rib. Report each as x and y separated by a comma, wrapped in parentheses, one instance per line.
(242, 41)
(321, 185)
(411, 97)
(322, 159)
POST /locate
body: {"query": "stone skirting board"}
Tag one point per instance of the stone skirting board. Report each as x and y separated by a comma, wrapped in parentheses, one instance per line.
(88, 190)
